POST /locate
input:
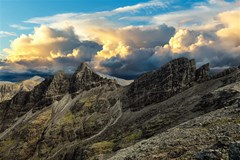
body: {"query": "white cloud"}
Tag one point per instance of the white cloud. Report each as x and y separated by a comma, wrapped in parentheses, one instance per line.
(147, 5)
(20, 27)
(6, 34)
(200, 16)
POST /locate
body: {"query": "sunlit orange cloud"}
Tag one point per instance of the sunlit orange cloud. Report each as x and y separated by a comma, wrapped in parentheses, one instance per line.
(230, 34)
(52, 43)
(187, 41)
(44, 43)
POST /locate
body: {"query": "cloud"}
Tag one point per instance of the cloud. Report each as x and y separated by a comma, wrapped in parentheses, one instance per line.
(48, 43)
(19, 27)
(230, 34)
(198, 17)
(151, 4)
(187, 41)
(124, 42)
(6, 34)
(48, 50)
(219, 46)
(63, 41)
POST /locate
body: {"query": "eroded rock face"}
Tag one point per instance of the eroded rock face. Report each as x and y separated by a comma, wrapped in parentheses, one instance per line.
(84, 116)
(10, 89)
(84, 79)
(50, 90)
(157, 86)
(202, 73)
(59, 85)
(226, 72)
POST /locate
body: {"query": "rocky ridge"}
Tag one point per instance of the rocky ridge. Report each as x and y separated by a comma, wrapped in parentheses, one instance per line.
(86, 116)
(9, 89)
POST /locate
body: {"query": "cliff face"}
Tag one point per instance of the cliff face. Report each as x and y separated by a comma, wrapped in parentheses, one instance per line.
(159, 85)
(86, 116)
(9, 89)
(84, 79)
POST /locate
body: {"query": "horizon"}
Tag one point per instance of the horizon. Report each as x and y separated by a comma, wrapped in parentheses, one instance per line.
(121, 39)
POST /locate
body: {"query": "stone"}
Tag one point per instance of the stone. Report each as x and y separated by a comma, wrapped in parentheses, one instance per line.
(156, 86)
(234, 151)
(84, 79)
(209, 155)
(202, 73)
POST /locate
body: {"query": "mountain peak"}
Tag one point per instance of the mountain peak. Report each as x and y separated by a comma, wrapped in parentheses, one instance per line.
(85, 78)
(83, 66)
(172, 78)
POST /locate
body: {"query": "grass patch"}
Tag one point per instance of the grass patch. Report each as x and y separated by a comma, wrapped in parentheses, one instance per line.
(68, 118)
(133, 137)
(6, 144)
(102, 147)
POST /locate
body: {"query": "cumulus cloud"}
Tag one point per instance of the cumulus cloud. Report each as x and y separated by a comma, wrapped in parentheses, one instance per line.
(68, 39)
(230, 34)
(220, 47)
(48, 50)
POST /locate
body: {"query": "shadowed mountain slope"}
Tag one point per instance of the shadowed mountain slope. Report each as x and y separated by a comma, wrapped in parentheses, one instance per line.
(86, 116)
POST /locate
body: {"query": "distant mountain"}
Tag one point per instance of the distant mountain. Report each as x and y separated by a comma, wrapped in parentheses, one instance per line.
(120, 81)
(9, 89)
(175, 112)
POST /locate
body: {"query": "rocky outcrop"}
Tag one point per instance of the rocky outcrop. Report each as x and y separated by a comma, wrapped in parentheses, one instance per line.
(209, 154)
(202, 73)
(10, 89)
(159, 85)
(226, 72)
(84, 79)
(59, 85)
(85, 116)
(120, 81)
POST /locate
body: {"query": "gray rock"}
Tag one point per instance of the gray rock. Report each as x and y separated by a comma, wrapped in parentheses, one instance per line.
(209, 155)
(202, 73)
(84, 79)
(172, 78)
(234, 151)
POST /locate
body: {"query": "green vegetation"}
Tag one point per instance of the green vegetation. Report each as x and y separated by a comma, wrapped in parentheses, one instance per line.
(68, 118)
(102, 147)
(132, 137)
(6, 144)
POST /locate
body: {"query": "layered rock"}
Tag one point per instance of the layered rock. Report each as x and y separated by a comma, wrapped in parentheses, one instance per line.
(226, 72)
(84, 79)
(202, 73)
(59, 85)
(85, 116)
(10, 89)
(159, 85)
(49, 91)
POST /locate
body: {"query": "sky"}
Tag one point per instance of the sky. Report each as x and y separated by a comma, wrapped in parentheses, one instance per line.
(116, 37)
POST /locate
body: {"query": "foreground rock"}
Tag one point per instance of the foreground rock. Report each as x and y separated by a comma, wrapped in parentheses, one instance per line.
(234, 151)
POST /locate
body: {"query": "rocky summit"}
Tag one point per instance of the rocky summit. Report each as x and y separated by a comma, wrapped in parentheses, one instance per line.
(175, 112)
(9, 89)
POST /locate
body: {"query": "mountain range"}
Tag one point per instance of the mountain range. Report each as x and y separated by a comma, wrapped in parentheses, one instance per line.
(10, 89)
(175, 112)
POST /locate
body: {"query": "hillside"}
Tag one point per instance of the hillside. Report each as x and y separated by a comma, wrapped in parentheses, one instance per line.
(175, 112)
(10, 89)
